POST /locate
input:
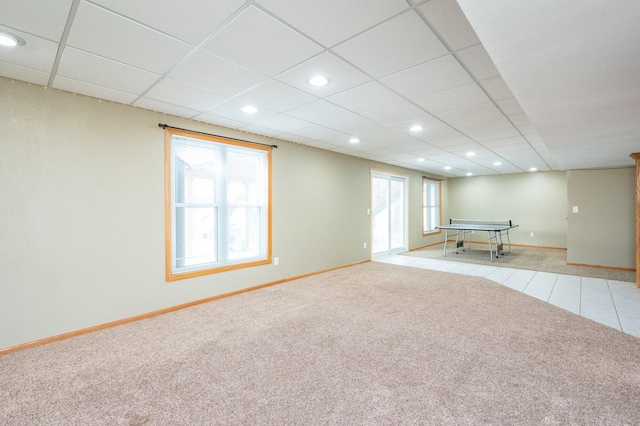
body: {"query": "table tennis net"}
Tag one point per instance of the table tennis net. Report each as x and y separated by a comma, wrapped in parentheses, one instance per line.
(504, 222)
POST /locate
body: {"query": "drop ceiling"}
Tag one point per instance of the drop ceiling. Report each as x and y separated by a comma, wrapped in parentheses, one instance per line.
(497, 87)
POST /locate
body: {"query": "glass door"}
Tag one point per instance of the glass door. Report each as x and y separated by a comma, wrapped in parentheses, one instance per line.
(389, 213)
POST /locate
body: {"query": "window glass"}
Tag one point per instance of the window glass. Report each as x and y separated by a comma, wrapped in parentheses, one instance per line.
(218, 209)
(431, 210)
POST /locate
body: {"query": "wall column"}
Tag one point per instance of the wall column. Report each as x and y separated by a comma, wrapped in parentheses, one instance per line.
(636, 156)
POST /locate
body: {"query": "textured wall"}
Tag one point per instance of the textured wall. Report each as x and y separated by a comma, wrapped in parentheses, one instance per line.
(82, 214)
(602, 232)
(537, 202)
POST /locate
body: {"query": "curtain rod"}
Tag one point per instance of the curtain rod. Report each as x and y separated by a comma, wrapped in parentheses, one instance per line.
(164, 126)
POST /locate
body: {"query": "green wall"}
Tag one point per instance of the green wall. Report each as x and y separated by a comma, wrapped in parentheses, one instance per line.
(82, 236)
(537, 202)
(82, 213)
(602, 232)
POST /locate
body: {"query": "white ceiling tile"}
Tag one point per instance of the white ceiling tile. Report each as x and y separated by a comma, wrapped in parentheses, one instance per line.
(498, 142)
(269, 48)
(352, 124)
(509, 106)
(331, 21)
(322, 134)
(147, 49)
(282, 122)
(427, 122)
(481, 132)
(24, 74)
(489, 122)
(431, 77)
(45, 19)
(478, 62)
(319, 112)
(448, 19)
(381, 152)
(452, 99)
(233, 109)
(437, 133)
(366, 146)
(378, 133)
(340, 74)
(519, 119)
(405, 143)
(472, 114)
(184, 95)
(99, 92)
(38, 53)
(153, 105)
(534, 138)
(99, 71)
(366, 97)
(496, 88)
(307, 141)
(428, 151)
(527, 129)
(220, 121)
(400, 43)
(399, 112)
(463, 149)
(450, 141)
(208, 71)
(202, 16)
(277, 96)
(264, 131)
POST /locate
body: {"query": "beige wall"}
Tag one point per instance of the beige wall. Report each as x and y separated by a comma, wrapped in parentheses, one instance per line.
(82, 213)
(535, 201)
(603, 230)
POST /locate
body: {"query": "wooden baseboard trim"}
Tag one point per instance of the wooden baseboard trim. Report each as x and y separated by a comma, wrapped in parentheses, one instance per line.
(486, 243)
(617, 268)
(428, 245)
(116, 323)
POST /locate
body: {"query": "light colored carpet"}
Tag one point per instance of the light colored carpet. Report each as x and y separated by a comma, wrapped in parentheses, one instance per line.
(530, 258)
(372, 344)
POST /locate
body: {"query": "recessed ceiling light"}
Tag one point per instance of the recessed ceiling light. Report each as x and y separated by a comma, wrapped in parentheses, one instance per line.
(420, 160)
(318, 81)
(497, 163)
(447, 167)
(354, 140)
(533, 169)
(470, 154)
(469, 174)
(250, 109)
(10, 40)
(415, 128)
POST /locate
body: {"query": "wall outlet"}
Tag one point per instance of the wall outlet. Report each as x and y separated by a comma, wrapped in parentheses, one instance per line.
(575, 209)
(365, 245)
(531, 234)
(276, 261)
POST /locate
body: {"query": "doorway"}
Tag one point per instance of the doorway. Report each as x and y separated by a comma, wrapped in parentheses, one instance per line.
(388, 213)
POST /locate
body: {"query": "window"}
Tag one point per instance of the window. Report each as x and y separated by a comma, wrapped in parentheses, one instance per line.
(431, 209)
(217, 204)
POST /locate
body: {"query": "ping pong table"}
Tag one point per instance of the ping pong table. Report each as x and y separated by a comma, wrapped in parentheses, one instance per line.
(495, 229)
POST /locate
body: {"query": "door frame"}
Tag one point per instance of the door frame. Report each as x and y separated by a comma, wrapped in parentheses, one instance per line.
(391, 176)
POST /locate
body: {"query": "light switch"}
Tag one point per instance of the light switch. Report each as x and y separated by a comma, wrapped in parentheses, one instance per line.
(575, 209)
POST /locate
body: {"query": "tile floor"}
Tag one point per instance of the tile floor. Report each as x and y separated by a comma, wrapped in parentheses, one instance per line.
(612, 303)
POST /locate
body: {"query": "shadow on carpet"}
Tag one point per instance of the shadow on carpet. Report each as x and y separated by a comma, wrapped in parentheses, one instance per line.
(530, 258)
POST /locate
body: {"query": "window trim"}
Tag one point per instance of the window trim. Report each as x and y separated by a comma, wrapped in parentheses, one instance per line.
(174, 276)
(424, 205)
